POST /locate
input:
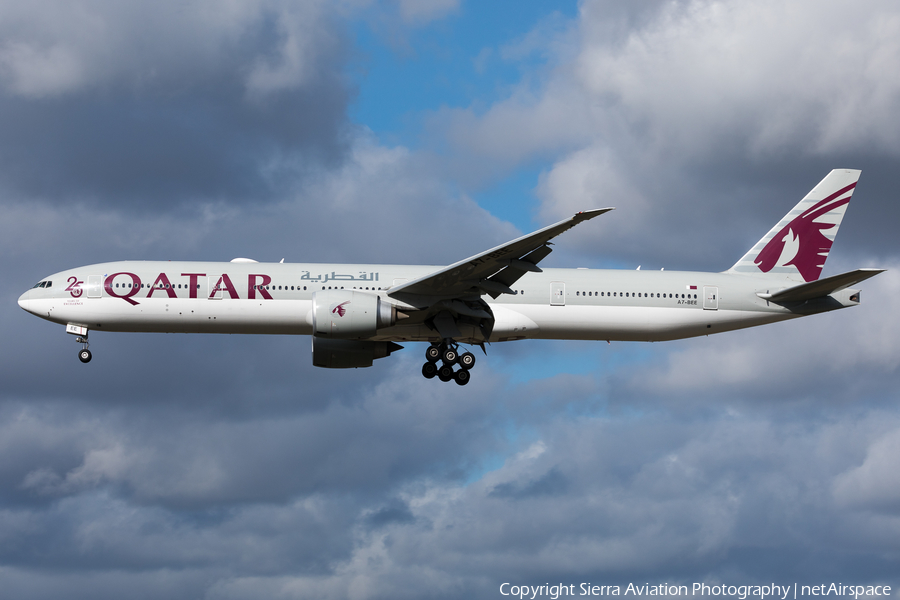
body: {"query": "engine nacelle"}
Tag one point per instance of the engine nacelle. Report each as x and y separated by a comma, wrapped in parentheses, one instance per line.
(348, 314)
(332, 353)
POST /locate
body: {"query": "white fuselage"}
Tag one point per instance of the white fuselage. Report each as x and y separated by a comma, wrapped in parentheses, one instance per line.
(276, 298)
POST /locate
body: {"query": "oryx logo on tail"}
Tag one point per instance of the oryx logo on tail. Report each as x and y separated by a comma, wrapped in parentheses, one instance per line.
(801, 242)
(798, 245)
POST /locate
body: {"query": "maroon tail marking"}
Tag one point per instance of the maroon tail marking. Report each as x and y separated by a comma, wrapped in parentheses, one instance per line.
(812, 241)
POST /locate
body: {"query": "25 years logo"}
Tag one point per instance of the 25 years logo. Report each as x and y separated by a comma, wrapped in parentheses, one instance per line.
(75, 287)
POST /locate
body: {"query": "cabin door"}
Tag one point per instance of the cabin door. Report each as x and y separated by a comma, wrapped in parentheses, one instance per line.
(94, 286)
(557, 293)
(710, 298)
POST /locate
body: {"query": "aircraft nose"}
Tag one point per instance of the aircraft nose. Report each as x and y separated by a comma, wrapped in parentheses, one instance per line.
(27, 302)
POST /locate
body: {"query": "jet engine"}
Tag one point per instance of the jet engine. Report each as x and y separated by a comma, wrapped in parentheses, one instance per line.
(333, 353)
(340, 319)
(346, 314)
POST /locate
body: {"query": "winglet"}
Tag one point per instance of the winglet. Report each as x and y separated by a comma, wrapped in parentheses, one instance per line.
(584, 215)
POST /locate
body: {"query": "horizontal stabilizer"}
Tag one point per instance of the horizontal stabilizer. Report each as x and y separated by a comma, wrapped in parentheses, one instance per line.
(820, 287)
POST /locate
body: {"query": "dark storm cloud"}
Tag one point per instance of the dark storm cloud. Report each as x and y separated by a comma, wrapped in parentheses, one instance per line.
(128, 105)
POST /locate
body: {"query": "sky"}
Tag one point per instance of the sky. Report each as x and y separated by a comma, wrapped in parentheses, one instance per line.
(228, 467)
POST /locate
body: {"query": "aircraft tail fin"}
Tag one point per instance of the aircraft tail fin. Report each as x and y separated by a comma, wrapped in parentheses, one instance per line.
(796, 248)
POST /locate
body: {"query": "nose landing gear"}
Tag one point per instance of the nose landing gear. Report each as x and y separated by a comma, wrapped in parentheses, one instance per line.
(84, 355)
(448, 353)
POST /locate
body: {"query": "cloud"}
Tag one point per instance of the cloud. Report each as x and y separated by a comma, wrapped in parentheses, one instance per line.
(874, 484)
(163, 104)
(418, 12)
(697, 77)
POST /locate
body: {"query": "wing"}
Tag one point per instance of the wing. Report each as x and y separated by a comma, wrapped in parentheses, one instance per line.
(491, 272)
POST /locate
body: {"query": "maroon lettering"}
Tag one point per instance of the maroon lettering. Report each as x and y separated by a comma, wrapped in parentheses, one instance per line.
(225, 282)
(253, 287)
(135, 286)
(193, 282)
(164, 286)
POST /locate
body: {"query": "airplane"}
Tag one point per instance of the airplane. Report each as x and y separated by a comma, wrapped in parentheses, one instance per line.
(357, 313)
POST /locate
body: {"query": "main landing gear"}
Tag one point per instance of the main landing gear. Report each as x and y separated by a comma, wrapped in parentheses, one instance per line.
(447, 353)
(84, 355)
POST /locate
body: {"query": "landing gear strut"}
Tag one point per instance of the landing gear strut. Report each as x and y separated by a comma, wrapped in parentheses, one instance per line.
(447, 352)
(84, 355)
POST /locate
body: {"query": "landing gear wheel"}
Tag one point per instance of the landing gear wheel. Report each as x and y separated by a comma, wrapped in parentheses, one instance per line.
(84, 355)
(429, 370)
(432, 354)
(462, 377)
(445, 373)
(466, 361)
(450, 356)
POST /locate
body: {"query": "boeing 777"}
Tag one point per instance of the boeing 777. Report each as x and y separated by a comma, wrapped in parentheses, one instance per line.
(357, 313)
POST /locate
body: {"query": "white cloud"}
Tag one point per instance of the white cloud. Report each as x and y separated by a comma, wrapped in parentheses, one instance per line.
(423, 11)
(40, 72)
(875, 484)
(804, 76)
(301, 37)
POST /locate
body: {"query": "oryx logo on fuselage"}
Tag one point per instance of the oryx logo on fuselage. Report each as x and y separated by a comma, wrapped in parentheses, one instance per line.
(338, 309)
(801, 242)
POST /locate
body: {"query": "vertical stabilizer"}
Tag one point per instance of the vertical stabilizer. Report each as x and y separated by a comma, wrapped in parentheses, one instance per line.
(796, 248)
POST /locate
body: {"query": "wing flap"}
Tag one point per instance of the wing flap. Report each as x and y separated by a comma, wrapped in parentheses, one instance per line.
(820, 287)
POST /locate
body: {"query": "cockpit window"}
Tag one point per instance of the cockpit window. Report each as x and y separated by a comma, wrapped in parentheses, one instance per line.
(42, 284)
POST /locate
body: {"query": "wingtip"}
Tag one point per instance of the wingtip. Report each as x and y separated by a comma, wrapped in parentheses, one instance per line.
(594, 212)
